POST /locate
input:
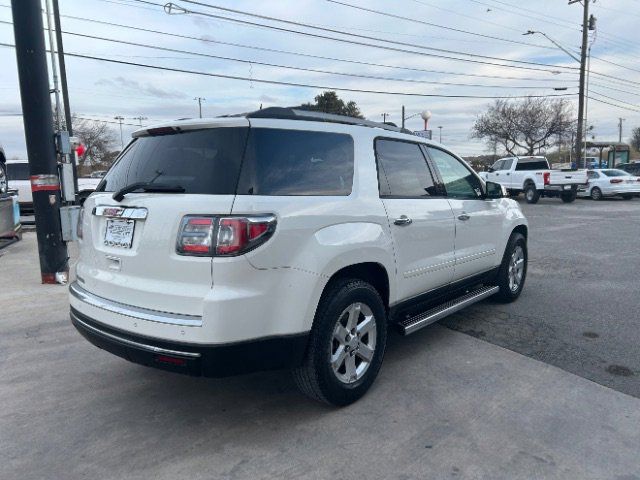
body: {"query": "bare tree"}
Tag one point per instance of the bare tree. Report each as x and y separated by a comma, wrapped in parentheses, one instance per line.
(99, 140)
(526, 126)
(635, 138)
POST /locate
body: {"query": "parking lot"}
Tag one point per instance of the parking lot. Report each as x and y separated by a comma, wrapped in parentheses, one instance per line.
(546, 387)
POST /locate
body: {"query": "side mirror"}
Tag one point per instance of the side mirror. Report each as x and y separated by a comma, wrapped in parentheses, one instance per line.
(490, 169)
(494, 190)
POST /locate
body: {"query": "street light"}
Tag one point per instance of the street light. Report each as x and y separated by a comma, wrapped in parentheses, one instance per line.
(440, 127)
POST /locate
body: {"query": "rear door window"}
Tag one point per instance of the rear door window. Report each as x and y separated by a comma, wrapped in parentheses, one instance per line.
(201, 161)
(297, 162)
(17, 171)
(527, 165)
(403, 170)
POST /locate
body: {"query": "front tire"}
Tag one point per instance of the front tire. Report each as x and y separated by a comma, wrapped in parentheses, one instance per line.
(513, 269)
(347, 344)
(531, 193)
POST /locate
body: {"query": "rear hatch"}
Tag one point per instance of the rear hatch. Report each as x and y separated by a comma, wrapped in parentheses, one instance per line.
(128, 250)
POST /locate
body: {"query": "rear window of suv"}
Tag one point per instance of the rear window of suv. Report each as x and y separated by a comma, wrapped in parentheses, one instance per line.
(223, 161)
(201, 161)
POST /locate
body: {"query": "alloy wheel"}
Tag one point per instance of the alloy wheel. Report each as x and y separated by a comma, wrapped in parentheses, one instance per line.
(353, 342)
(516, 268)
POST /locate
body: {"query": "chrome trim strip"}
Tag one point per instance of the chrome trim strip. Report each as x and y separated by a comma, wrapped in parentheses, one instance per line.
(131, 343)
(115, 211)
(134, 312)
(416, 323)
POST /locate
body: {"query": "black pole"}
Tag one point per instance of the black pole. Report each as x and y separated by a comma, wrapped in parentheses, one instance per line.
(583, 62)
(38, 128)
(402, 116)
(63, 84)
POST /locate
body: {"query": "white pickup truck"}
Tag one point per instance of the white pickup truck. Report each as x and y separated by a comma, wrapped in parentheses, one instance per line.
(18, 179)
(534, 177)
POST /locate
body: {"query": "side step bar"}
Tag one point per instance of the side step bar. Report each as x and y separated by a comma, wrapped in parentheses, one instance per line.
(421, 320)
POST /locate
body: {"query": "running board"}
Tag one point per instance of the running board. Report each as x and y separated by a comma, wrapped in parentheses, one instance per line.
(421, 320)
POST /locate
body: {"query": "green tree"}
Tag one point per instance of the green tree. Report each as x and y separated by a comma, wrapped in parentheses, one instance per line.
(329, 102)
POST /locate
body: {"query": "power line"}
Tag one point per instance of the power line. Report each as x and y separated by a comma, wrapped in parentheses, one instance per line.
(613, 104)
(296, 84)
(314, 70)
(427, 23)
(300, 54)
(355, 42)
(615, 99)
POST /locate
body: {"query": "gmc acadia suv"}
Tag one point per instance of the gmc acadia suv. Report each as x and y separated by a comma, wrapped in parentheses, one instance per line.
(287, 239)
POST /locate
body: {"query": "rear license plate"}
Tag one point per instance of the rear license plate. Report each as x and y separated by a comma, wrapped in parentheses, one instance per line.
(119, 233)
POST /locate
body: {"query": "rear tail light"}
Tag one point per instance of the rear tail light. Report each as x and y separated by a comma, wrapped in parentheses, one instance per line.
(547, 177)
(223, 236)
(615, 180)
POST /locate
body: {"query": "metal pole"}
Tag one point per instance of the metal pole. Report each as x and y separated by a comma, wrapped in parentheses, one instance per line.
(402, 116)
(440, 127)
(583, 63)
(65, 89)
(120, 118)
(31, 58)
(620, 120)
(54, 68)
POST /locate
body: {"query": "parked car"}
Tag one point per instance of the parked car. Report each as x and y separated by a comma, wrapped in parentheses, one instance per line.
(19, 179)
(287, 239)
(610, 182)
(533, 176)
(631, 168)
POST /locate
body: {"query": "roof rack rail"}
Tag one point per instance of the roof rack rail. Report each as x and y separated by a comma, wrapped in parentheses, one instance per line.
(292, 113)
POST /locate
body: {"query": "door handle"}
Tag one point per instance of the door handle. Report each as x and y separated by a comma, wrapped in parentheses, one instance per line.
(402, 220)
(464, 217)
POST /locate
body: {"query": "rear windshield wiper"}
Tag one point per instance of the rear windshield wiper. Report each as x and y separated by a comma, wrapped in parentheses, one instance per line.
(146, 187)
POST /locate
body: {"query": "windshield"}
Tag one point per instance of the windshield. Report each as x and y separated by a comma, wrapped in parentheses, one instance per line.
(17, 171)
(615, 173)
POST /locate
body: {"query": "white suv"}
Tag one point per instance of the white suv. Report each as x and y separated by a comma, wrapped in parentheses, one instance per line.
(287, 239)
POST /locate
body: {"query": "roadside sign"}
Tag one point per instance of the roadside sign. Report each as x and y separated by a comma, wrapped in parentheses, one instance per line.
(424, 134)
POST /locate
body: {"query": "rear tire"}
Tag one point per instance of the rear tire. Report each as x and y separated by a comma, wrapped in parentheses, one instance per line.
(4, 183)
(568, 197)
(596, 194)
(627, 197)
(531, 193)
(347, 344)
(513, 269)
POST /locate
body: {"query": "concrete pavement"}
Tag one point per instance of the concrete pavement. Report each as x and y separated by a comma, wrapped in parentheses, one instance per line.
(446, 405)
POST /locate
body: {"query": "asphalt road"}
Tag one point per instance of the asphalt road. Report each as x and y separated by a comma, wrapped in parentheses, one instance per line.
(579, 308)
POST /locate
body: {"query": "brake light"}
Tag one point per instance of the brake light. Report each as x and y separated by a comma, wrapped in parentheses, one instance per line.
(196, 236)
(547, 177)
(615, 180)
(223, 236)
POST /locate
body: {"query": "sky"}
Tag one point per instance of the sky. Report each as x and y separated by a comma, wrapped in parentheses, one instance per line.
(404, 46)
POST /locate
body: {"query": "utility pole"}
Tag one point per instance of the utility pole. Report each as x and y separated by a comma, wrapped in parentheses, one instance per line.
(200, 100)
(54, 68)
(384, 117)
(31, 58)
(140, 119)
(403, 119)
(620, 120)
(581, 95)
(65, 90)
(120, 119)
(440, 127)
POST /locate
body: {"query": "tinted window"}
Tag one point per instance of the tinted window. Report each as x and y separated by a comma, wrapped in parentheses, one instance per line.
(296, 162)
(507, 164)
(615, 173)
(458, 180)
(593, 175)
(201, 161)
(17, 171)
(402, 170)
(532, 165)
